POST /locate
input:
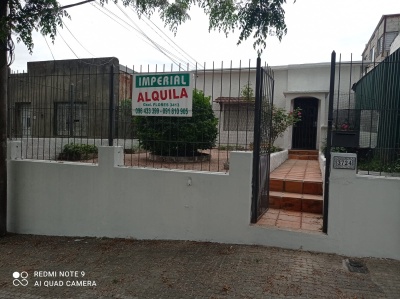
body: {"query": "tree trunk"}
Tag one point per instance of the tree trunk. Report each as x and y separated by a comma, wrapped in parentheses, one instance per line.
(3, 127)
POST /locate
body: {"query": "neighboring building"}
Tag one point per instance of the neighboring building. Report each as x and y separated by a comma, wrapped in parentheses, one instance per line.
(395, 45)
(49, 89)
(378, 46)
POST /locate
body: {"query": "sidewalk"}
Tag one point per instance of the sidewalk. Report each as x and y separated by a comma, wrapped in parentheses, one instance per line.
(123, 268)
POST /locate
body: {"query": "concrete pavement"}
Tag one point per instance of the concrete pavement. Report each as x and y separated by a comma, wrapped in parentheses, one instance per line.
(67, 267)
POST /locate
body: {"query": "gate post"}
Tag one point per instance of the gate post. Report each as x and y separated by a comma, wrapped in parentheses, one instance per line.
(256, 144)
(329, 144)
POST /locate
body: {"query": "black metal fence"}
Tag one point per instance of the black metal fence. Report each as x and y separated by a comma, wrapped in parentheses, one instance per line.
(366, 120)
(64, 110)
(262, 140)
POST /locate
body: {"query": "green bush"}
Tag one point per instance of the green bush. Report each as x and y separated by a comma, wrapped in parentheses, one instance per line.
(378, 165)
(180, 136)
(75, 152)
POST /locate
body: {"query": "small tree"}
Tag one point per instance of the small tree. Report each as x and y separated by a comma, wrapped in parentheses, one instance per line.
(180, 136)
(281, 120)
(247, 92)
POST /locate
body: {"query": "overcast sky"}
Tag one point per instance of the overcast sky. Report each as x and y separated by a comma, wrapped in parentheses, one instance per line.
(315, 28)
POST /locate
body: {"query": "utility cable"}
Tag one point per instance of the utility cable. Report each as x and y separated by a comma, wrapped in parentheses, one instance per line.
(187, 54)
(48, 47)
(163, 50)
(77, 40)
(158, 47)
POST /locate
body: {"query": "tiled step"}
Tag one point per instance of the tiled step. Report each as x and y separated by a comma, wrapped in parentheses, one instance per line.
(303, 154)
(309, 203)
(309, 186)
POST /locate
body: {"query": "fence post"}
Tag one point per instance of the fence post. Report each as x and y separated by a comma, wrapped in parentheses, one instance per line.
(329, 143)
(111, 114)
(71, 110)
(256, 145)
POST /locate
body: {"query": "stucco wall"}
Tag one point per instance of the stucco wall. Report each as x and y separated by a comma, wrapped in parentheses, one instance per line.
(73, 199)
(364, 212)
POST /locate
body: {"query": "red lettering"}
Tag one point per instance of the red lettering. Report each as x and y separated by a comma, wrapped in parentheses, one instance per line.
(140, 97)
(175, 95)
(164, 96)
(184, 93)
(170, 94)
(155, 96)
(147, 99)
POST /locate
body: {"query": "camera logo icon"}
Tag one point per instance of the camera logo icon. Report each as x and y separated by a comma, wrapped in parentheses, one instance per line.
(20, 279)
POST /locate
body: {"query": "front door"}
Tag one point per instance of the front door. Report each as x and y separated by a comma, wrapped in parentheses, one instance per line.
(305, 131)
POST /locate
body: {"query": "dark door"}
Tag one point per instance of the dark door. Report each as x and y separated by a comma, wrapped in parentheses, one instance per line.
(305, 131)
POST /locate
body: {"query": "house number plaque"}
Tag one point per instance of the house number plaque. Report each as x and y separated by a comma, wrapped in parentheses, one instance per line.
(344, 163)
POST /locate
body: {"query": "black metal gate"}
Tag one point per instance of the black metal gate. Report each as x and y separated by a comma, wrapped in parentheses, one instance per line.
(262, 140)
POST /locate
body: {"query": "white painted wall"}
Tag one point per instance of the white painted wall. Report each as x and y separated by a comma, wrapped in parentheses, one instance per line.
(291, 81)
(364, 212)
(74, 199)
(276, 159)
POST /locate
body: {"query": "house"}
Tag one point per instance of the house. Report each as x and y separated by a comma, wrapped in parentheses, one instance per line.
(67, 98)
(379, 45)
(304, 85)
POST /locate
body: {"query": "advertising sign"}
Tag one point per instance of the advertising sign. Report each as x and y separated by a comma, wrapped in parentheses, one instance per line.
(162, 94)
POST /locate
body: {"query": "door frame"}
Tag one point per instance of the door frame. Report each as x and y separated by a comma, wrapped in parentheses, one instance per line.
(322, 97)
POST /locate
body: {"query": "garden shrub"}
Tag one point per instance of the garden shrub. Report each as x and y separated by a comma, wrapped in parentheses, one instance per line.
(75, 152)
(180, 136)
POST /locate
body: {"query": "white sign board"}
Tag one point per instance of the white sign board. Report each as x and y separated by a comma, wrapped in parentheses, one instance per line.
(162, 94)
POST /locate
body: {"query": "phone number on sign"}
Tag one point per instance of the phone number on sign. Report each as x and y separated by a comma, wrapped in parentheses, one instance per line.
(162, 111)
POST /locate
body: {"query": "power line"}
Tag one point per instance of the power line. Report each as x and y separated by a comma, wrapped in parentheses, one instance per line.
(48, 47)
(155, 45)
(188, 55)
(77, 40)
(161, 49)
(108, 15)
(67, 44)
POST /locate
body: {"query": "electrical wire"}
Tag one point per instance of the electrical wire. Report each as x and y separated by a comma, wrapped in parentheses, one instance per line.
(78, 40)
(158, 47)
(67, 44)
(48, 47)
(188, 55)
(10, 47)
(120, 23)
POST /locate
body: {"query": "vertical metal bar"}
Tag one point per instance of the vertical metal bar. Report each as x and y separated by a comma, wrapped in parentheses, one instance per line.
(71, 109)
(111, 115)
(349, 102)
(238, 107)
(329, 144)
(256, 143)
(338, 94)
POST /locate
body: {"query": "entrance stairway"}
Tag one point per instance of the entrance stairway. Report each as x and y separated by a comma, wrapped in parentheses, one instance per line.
(296, 185)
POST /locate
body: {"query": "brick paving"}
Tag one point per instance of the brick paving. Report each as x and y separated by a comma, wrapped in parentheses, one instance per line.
(126, 268)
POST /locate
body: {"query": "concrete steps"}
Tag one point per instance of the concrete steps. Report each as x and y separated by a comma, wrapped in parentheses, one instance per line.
(303, 154)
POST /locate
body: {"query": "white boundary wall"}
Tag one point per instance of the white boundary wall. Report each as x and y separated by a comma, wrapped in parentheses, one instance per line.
(75, 199)
(277, 159)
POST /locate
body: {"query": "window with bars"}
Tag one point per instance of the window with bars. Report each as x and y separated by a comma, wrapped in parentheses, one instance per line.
(71, 122)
